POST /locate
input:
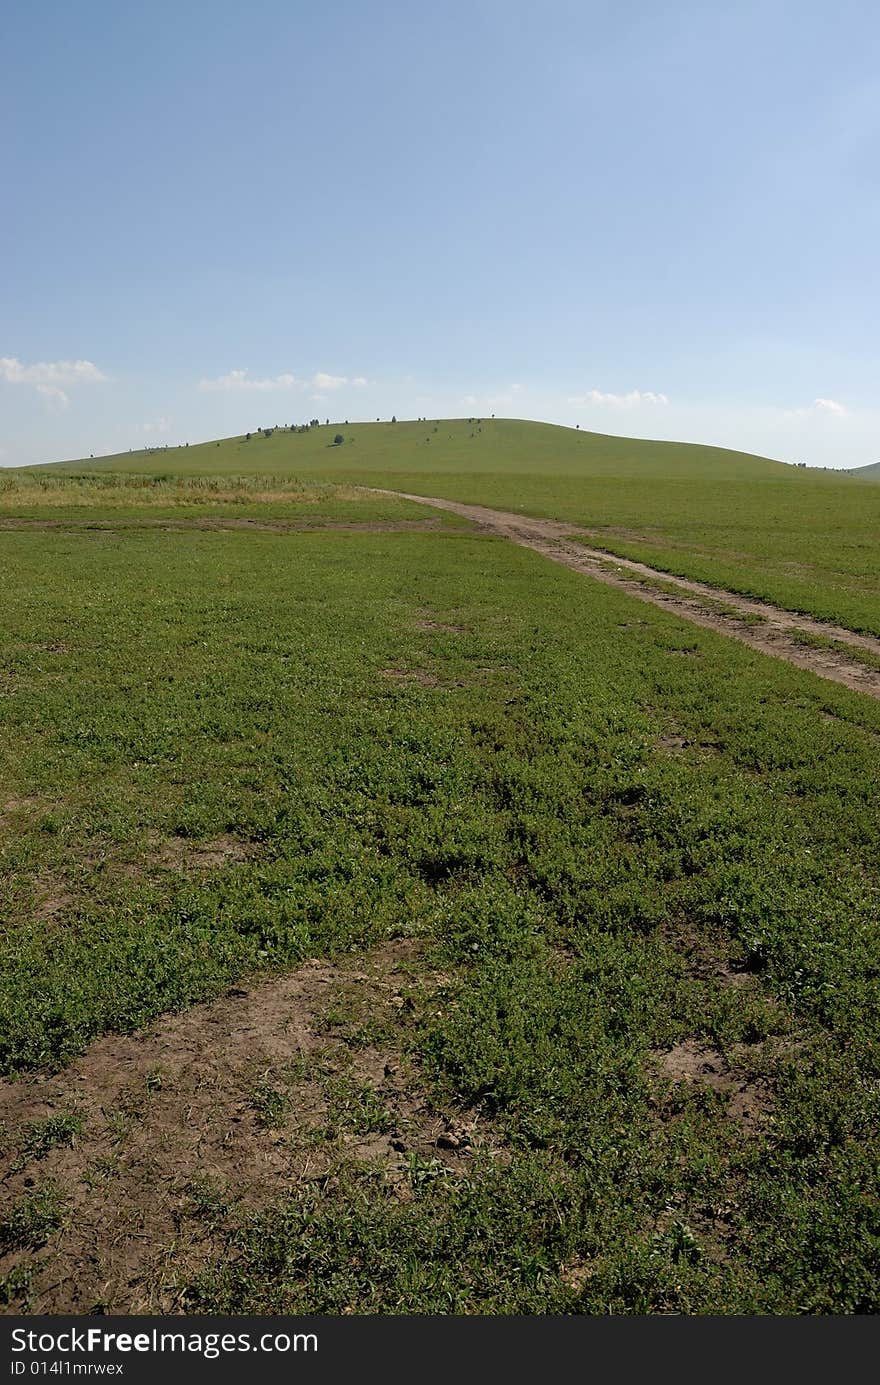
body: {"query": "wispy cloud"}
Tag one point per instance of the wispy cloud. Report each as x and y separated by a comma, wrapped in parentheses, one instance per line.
(54, 394)
(48, 377)
(818, 406)
(161, 425)
(493, 401)
(505, 398)
(618, 401)
(243, 380)
(15, 372)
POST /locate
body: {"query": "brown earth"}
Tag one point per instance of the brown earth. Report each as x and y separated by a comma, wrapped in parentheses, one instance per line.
(758, 624)
(208, 1114)
(224, 522)
(694, 1064)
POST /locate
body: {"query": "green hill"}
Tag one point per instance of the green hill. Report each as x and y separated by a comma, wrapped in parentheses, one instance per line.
(870, 472)
(510, 447)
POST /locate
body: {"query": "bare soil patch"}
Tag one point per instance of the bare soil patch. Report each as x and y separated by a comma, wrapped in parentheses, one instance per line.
(411, 675)
(438, 627)
(225, 522)
(694, 1064)
(17, 806)
(180, 853)
(187, 1125)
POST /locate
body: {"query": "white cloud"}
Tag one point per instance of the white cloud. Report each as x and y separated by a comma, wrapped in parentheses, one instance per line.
(508, 396)
(161, 425)
(54, 395)
(15, 372)
(818, 406)
(47, 377)
(243, 380)
(492, 401)
(618, 401)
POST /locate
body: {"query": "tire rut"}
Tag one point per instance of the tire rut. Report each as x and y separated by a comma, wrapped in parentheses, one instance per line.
(760, 625)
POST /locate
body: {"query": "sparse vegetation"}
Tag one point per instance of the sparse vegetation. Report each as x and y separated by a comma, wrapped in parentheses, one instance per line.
(32, 1219)
(42, 1136)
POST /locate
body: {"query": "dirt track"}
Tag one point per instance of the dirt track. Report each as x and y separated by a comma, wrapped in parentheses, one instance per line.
(766, 628)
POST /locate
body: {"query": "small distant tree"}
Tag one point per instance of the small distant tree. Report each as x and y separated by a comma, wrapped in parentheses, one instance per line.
(393, 418)
(338, 440)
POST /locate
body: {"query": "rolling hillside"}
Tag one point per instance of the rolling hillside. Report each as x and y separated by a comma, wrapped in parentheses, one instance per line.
(447, 446)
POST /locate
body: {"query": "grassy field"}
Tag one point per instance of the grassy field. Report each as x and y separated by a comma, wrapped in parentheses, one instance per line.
(802, 538)
(631, 864)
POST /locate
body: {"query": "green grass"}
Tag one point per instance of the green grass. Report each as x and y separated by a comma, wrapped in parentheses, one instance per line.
(42, 1136)
(440, 735)
(32, 1219)
(802, 538)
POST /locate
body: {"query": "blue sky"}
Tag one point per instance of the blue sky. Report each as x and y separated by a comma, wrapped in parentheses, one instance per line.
(657, 219)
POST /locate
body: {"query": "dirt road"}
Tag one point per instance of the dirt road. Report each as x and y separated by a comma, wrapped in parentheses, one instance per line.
(766, 628)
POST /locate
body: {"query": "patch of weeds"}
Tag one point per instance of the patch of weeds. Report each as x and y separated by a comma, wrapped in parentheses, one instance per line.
(15, 1286)
(271, 1104)
(730, 612)
(208, 1200)
(367, 1035)
(349, 1019)
(52, 1133)
(272, 1097)
(680, 1244)
(119, 1125)
(423, 1173)
(355, 1107)
(32, 1219)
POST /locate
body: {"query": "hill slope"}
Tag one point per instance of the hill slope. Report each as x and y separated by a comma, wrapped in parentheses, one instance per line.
(509, 446)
